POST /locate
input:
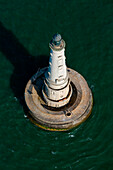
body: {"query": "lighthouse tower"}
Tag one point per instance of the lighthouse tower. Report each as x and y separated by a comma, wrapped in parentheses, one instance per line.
(58, 98)
(57, 89)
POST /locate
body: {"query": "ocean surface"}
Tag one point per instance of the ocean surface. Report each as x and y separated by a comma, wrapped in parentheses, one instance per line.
(26, 28)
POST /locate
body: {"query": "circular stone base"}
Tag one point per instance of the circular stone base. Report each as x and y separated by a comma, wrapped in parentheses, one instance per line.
(58, 119)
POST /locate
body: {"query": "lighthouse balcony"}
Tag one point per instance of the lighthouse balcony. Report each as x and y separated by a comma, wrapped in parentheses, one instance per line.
(58, 103)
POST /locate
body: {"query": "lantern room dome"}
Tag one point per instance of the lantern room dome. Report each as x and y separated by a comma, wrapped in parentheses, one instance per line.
(57, 39)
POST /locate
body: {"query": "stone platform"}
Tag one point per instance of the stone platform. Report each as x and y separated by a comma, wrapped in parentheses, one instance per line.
(58, 119)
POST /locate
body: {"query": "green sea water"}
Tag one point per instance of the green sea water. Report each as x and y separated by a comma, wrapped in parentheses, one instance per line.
(26, 28)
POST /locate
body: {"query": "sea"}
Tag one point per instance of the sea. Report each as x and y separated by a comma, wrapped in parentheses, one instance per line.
(26, 28)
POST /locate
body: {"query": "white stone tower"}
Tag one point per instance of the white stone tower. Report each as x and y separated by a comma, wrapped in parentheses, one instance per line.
(57, 89)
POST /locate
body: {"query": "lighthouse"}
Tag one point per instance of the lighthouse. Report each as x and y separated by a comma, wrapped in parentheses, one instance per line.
(57, 90)
(57, 97)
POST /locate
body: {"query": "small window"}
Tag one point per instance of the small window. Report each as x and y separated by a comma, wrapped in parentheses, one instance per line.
(56, 80)
(60, 76)
(59, 56)
(60, 67)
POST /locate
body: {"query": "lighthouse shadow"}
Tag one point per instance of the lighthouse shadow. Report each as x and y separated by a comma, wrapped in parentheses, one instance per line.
(24, 64)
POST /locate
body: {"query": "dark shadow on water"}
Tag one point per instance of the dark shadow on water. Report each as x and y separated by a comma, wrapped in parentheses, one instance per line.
(24, 64)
